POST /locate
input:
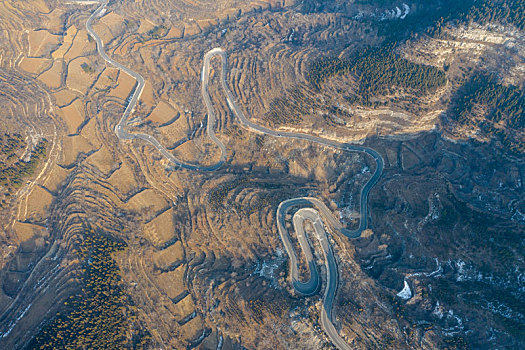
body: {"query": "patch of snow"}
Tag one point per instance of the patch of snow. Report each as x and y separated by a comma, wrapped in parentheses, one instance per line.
(359, 15)
(453, 329)
(513, 279)
(395, 13)
(398, 12)
(266, 269)
(505, 311)
(220, 342)
(405, 293)
(13, 324)
(83, 2)
(201, 338)
(433, 212)
(292, 33)
(347, 214)
(407, 11)
(518, 216)
(383, 15)
(438, 311)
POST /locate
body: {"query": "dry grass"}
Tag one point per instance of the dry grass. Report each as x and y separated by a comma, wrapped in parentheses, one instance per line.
(41, 42)
(126, 46)
(124, 87)
(123, 179)
(107, 79)
(193, 329)
(188, 151)
(90, 131)
(150, 201)
(177, 130)
(39, 6)
(103, 160)
(54, 21)
(162, 113)
(114, 22)
(165, 258)
(53, 76)
(145, 26)
(161, 229)
(39, 200)
(148, 96)
(56, 178)
(109, 27)
(81, 46)
(64, 97)
(75, 145)
(184, 307)
(139, 45)
(174, 33)
(206, 23)
(191, 28)
(261, 4)
(35, 65)
(77, 78)
(201, 151)
(73, 115)
(66, 43)
(103, 32)
(172, 282)
(27, 232)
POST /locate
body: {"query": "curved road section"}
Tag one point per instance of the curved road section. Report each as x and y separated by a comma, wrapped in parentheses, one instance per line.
(309, 214)
(316, 217)
(121, 127)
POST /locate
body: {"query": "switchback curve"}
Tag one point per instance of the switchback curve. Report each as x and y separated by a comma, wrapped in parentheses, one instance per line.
(313, 284)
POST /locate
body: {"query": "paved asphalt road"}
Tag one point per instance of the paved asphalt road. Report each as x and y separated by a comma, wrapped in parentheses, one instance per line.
(121, 127)
(331, 270)
(312, 285)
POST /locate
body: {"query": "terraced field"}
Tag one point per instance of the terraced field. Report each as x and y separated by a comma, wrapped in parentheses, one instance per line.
(196, 259)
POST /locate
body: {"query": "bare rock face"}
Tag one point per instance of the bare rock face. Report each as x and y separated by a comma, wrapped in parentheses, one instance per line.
(107, 242)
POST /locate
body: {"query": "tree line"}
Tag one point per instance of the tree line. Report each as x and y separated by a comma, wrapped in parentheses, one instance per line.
(502, 108)
(100, 315)
(377, 71)
(14, 170)
(432, 16)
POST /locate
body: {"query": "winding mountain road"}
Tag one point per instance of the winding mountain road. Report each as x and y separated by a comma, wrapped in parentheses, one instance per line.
(121, 127)
(311, 215)
(305, 214)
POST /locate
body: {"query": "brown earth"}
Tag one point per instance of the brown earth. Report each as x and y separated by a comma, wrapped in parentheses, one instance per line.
(53, 76)
(198, 242)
